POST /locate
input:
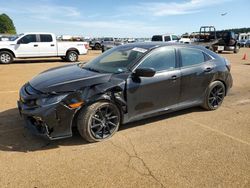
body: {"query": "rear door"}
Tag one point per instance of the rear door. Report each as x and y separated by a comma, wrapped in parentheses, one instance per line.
(155, 94)
(47, 45)
(28, 46)
(197, 70)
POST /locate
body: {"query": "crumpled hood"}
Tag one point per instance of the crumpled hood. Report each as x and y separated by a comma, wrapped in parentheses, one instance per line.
(67, 78)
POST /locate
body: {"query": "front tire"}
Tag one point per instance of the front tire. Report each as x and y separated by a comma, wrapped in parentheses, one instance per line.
(214, 97)
(72, 56)
(6, 57)
(98, 121)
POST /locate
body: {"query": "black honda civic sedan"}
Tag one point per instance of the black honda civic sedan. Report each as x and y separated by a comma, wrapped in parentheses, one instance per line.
(124, 84)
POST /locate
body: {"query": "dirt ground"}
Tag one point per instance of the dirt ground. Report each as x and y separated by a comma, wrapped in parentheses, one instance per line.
(190, 148)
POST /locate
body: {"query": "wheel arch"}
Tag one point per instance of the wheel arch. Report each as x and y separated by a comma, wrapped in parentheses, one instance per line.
(73, 49)
(8, 50)
(98, 98)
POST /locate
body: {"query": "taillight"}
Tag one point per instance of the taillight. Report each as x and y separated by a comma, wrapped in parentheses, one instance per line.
(228, 65)
(86, 46)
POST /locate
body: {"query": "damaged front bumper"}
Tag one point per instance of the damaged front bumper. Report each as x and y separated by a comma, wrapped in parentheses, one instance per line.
(54, 121)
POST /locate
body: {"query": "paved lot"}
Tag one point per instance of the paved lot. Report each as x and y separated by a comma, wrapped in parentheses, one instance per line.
(190, 148)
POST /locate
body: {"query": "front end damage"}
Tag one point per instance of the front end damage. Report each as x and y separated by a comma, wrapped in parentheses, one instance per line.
(55, 120)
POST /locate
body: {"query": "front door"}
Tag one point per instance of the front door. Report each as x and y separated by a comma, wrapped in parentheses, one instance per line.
(27, 46)
(146, 96)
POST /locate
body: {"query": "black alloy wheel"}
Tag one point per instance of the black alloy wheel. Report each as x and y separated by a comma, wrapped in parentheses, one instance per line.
(99, 121)
(104, 122)
(215, 95)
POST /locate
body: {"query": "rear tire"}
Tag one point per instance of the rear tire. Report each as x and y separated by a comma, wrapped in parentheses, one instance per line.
(6, 57)
(72, 56)
(98, 46)
(237, 49)
(98, 121)
(214, 96)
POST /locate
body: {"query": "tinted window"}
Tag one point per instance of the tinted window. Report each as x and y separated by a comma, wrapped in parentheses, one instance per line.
(174, 37)
(191, 57)
(46, 38)
(157, 38)
(167, 38)
(160, 59)
(28, 38)
(108, 39)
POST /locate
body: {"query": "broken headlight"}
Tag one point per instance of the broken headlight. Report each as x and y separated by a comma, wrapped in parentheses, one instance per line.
(52, 99)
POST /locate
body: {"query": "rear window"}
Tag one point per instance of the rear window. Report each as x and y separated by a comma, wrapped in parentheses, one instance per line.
(157, 38)
(46, 38)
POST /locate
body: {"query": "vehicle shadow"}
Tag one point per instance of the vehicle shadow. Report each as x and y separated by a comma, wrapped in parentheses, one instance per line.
(45, 60)
(15, 137)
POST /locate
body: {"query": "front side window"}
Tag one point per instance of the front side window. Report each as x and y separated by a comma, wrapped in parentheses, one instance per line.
(174, 37)
(46, 38)
(191, 57)
(160, 59)
(27, 39)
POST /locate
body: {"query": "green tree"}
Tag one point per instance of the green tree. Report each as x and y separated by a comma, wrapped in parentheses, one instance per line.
(6, 25)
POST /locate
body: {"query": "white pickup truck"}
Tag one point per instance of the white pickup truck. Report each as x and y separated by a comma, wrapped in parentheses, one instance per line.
(36, 45)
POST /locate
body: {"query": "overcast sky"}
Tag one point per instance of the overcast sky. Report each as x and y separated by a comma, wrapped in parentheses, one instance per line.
(125, 18)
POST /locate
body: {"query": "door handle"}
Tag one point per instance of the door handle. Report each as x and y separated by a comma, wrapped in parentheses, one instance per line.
(208, 69)
(35, 45)
(52, 45)
(174, 77)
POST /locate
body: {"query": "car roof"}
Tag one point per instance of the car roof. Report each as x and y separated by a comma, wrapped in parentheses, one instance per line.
(154, 45)
(151, 45)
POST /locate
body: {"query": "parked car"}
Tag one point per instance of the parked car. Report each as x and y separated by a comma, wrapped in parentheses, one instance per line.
(109, 42)
(30, 45)
(227, 42)
(217, 40)
(127, 83)
(247, 44)
(165, 38)
(242, 43)
(95, 43)
(185, 41)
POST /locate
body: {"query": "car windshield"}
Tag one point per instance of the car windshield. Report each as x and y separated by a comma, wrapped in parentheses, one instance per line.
(116, 60)
(13, 38)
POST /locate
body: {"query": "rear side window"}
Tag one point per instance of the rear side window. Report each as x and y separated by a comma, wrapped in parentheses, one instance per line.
(191, 57)
(46, 38)
(157, 38)
(27, 39)
(167, 38)
(160, 59)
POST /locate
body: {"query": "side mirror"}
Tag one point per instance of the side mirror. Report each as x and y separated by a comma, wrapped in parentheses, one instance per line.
(144, 72)
(19, 41)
